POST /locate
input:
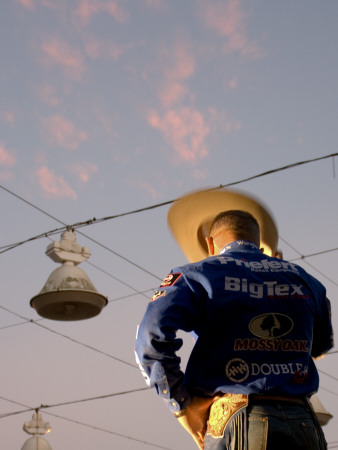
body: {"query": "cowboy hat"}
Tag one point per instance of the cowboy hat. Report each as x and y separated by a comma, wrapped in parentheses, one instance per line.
(190, 218)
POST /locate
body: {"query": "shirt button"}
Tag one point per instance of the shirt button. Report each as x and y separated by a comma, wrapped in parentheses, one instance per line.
(165, 391)
(174, 404)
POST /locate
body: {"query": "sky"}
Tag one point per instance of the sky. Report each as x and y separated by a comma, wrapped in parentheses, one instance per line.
(113, 106)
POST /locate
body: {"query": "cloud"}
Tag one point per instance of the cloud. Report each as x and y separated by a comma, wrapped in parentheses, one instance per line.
(179, 65)
(7, 116)
(6, 159)
(84, 171)
(53, 185)
(63, 132)
(29, 4)
(185, 130)
(233, 83)
(171, 92)
(147, 187)
(228, 19)
(97, 48)
(180, 62)
(88, 8)
(69, 59)
(48, 95)
(220, 121)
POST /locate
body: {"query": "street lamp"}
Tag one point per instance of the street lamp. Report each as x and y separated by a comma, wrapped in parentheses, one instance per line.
(68, 293)
(36, 427)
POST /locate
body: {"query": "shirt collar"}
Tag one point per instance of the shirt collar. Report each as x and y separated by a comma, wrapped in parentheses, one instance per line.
(239, 245)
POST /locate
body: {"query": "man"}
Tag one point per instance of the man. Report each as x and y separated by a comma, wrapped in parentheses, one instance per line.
(259, 323)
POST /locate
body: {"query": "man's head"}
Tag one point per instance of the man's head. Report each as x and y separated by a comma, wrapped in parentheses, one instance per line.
(230, 226)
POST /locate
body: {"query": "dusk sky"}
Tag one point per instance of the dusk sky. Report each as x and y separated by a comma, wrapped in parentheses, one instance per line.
(108, 107)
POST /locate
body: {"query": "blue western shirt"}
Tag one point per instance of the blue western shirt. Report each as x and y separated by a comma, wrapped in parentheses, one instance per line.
(258, 321)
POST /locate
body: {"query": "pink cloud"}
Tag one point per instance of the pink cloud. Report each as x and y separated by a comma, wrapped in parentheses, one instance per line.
(53, 185)
(179, 65)
(84, 171)
(63, 132)
(181, 62)
(48, 95)
(97, 48)
(185, 130)
(233, 83)
(220, 121)
(171, 92)
(6, 159)
(228, 19)
(146, 187)
(87, 8)
(70, 59)
(7, 116)
(29, 4)
(200, 174)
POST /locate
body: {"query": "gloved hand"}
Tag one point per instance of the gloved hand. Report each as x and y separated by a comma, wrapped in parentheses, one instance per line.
(195, 418)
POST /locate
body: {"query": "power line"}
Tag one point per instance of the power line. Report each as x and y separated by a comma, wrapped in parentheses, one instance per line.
(83, 424)
(302, 257)
(72, 402)
(147, 208)
(108, 431)
(315, 254)
(85, 345)
(57, 230)
(70, 338)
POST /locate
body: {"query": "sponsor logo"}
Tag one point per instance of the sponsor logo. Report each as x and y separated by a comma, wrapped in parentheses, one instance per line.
(272, 325)
(238, 370)
(170, 279)
(264, 265)
(267, 289)
(284, 345)
(278, 369)
(157, 295)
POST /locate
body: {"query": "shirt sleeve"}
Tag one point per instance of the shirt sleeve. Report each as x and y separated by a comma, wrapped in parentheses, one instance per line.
(174, 307)
(322, 330)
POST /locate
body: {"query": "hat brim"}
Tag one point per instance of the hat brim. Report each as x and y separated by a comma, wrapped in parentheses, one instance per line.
(190, 218)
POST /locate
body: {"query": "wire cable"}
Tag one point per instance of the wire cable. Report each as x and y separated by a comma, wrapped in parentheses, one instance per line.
(108, 431)
(81, 423)
(70, 338)
(94, 220)
(302, 257)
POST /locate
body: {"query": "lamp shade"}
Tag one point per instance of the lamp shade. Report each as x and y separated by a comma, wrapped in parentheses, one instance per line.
(36, 443)
(68, 294)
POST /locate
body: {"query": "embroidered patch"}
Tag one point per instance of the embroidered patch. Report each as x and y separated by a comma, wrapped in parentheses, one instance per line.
(170, 279)
(157, 295)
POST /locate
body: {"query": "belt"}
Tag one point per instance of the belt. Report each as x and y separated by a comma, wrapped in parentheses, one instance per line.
(277, 398)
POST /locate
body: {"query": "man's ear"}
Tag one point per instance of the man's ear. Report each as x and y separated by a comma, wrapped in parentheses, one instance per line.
(211, 246)
(279, 254)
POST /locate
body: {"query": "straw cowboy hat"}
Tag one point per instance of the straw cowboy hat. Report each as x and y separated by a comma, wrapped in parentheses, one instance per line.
(190, 218)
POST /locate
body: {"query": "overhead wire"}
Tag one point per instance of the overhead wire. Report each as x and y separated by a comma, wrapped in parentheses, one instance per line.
(65, 227)
(140, 267)
(157, 205)
(104, 430)
(304, 258)
(70, 338)
(81, 423)
(72, 402)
